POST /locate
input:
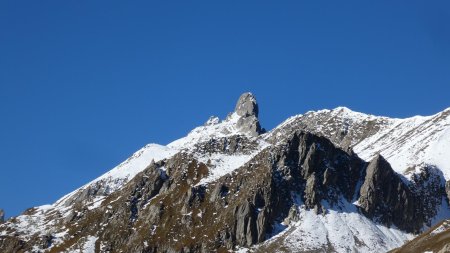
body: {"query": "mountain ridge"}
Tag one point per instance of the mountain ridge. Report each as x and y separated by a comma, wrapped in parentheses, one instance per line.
(312, 157)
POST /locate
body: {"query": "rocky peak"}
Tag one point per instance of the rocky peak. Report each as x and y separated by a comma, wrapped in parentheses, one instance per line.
(247, 110)
(2, 215)
(385, 196)
(247, 105)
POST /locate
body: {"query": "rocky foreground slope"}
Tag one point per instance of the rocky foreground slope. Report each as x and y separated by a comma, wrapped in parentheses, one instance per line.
(326, 181)
(436, 239)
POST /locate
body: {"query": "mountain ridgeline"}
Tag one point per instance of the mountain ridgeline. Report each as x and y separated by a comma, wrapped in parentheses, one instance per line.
(325, 181)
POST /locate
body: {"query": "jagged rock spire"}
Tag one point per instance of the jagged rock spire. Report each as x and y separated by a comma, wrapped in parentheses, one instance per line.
(385, 196)
(247, 109)
(2, 215)
(246, 105)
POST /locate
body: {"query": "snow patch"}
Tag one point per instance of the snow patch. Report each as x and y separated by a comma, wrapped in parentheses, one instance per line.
(221, 164)
(204, 133)
(439, 153)
(346, 231)
(89, 245)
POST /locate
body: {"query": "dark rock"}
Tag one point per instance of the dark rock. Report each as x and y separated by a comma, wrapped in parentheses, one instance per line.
(2, 215)
(447, 189)
(386, 197)
(320, 171)
(429, 186)
(46, 241)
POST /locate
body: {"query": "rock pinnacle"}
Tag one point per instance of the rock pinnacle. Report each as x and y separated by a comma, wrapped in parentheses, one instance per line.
(247, 109)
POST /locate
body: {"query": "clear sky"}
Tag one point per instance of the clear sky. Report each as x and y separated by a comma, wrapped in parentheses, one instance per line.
(84, 84)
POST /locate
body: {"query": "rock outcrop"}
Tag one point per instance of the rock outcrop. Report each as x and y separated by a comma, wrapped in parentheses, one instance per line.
(386, 197)
(2, 215)
(247, 109)
(246, 105)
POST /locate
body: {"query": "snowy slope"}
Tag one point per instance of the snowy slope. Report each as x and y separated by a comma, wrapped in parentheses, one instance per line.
(213, 128)
(438, 153)
(405, 143)
(342, 229)
(221, 163)
(345, 231)
(410, 142)
(40, 220)
(118, 176)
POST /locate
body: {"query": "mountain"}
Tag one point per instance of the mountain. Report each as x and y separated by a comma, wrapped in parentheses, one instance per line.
(325, 181)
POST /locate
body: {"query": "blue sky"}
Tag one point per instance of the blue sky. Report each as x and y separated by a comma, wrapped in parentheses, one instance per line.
(83, 84)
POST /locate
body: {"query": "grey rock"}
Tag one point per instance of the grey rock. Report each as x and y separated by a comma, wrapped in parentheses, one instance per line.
(312, 193)
(245, 230)
(249, 125)
(220, 191)
(262, 224)
(246, 105)
(386, 197)
(293, 215)
(247, 109)
(2, 215)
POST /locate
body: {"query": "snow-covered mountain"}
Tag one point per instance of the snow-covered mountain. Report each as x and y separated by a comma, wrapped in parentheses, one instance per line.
(325, 181)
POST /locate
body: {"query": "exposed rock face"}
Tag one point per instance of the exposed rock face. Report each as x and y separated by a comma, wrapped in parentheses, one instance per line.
(428, 185)
(324, 172)
(2, 215)
(247, 109)
(385, 196)
(246, 105)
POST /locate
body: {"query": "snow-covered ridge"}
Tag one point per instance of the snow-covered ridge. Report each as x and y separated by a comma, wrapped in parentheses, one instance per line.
(221, 164)
(213, 128)
(125, 171)
(405, 143)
